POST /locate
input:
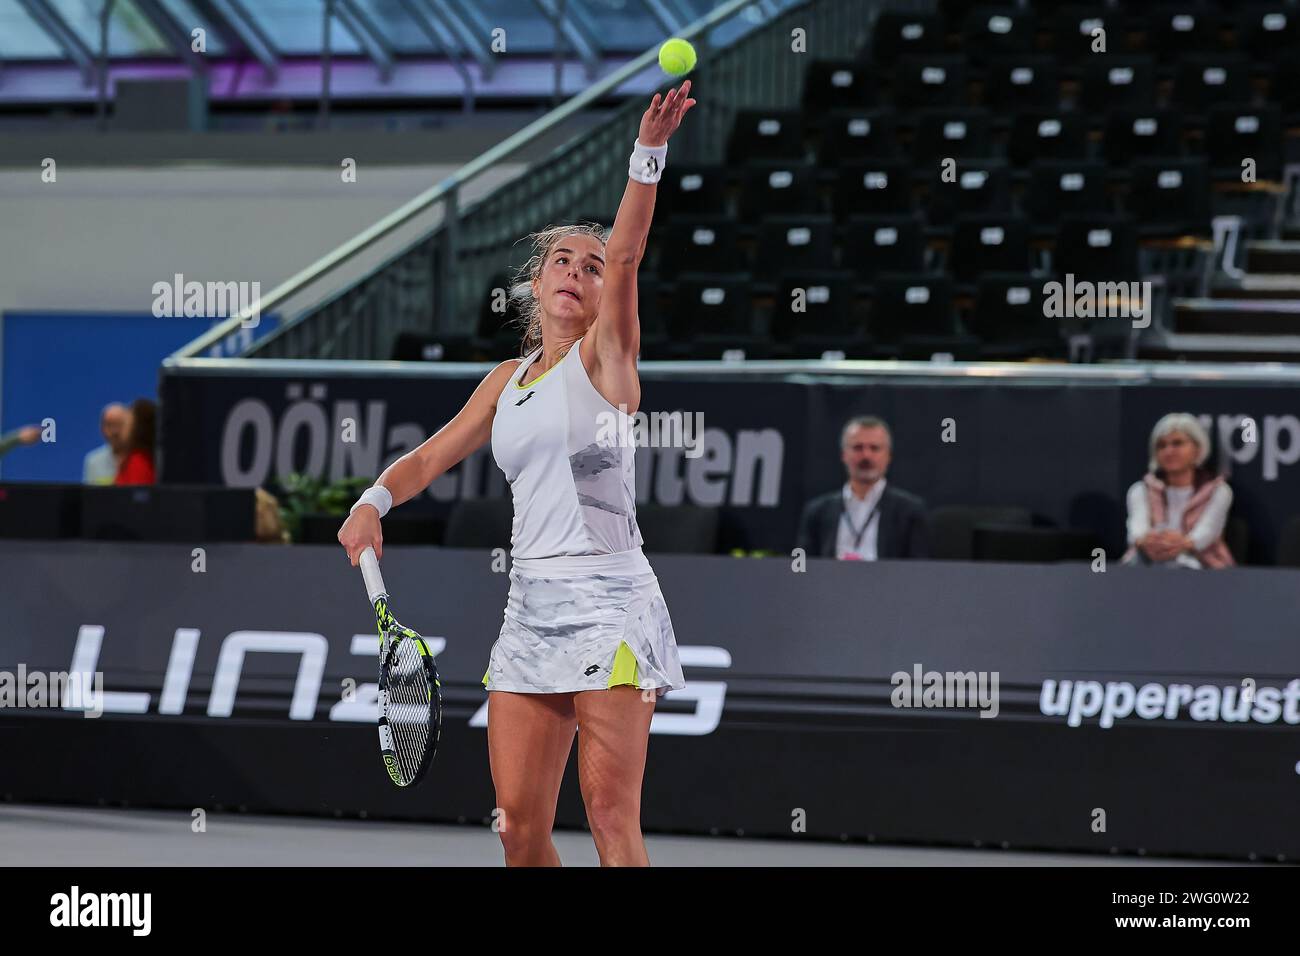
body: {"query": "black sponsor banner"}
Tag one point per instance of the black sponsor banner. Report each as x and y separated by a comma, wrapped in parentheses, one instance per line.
(740, 451)
(1040, 706)
(758, 448)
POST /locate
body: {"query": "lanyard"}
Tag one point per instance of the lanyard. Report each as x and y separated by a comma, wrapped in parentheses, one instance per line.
(859, 532)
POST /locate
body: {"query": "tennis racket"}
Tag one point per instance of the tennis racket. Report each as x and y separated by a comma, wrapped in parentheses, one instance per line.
(410, 695)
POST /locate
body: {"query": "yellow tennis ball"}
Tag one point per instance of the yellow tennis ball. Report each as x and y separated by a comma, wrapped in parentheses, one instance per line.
(677, 56)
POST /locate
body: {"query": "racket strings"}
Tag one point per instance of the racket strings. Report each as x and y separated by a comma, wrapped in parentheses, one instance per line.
(409, 705)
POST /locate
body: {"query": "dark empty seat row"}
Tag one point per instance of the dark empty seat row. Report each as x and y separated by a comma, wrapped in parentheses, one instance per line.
(1073, 30)
(1171, 195)
(816, 312)
(1228, 133)
(1092, 246)
(1036, 82)
(1127, 134)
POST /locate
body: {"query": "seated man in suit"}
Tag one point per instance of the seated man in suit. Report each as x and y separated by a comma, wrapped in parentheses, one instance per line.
(865, 520)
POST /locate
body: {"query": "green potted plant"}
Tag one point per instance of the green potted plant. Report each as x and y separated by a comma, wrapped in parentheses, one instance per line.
(310, 507)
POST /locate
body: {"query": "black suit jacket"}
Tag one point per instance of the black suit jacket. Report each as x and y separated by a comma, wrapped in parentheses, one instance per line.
(904, 531)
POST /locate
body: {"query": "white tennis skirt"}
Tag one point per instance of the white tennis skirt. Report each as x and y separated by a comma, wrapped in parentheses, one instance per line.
(587, 622)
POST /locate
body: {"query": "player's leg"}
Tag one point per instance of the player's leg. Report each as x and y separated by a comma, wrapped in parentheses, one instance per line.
(529, 738)
(613, 733)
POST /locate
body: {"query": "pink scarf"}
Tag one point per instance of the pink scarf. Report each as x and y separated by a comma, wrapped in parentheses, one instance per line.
(1217, 554)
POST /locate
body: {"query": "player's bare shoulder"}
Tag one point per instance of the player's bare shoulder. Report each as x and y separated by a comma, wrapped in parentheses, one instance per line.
(498, 377)
(495, 381)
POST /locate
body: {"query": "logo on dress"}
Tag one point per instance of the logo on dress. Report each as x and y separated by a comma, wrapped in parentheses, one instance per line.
(524, 399)
(591, 670)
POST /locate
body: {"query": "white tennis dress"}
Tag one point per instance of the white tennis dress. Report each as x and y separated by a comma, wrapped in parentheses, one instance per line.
(584, 610)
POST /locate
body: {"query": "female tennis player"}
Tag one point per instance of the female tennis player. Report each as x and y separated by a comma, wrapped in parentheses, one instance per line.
(586, 645)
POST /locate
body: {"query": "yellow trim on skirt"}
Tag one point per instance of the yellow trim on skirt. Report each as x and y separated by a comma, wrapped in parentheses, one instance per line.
(623, 672)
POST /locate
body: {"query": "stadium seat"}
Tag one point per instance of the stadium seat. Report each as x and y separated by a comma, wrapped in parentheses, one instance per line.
(1170, 197)
(1073, 27)
(988, 244)
(766, 134)
(1132, 134)
(989, 32)
(851, 136)
(883, 244)
(1175, 30)
(1061, 188)
(838, 84)
(699, 244)
(815, 312)
(872, 188)
(1010, 319)
(1111, 82)
(898, 34)
(714, 313)
(788, 243)
(1015, 84)
(1233, 134)
(960, 134)
(1050, 134)
(936, 81)
(692, 189)
(1269, 32)
(1097, 248)
(975, 188)
(1205, 81)
(778, 188)
(913, 312)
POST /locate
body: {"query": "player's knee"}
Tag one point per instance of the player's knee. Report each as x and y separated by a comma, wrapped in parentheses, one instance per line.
(610, 811)
(520, 829)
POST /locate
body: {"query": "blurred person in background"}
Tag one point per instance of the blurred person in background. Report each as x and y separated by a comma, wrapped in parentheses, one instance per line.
(137, 466)
(866, 519)
(26, 435)
(1178, 509)
(100, 466)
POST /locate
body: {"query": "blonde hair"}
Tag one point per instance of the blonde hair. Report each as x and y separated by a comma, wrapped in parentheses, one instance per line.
(521, 286)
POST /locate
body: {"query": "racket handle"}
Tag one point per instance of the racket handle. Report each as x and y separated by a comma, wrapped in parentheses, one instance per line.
(370, 573)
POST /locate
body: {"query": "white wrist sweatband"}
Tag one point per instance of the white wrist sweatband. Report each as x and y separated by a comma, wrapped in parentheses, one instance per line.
(377, 496)
(646, 164)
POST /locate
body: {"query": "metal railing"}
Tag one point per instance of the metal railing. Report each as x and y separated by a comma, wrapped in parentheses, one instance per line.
(428, 265)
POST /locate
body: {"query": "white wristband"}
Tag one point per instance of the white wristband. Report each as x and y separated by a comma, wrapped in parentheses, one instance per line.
(379, 497)
(646, 164)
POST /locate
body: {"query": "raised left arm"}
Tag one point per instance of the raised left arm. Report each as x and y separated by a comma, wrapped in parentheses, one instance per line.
(616, 332)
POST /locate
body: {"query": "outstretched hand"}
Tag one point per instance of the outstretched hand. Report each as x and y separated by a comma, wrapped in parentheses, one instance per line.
(664, 115)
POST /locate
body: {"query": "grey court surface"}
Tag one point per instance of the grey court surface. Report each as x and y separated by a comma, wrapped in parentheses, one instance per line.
(78, 836)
